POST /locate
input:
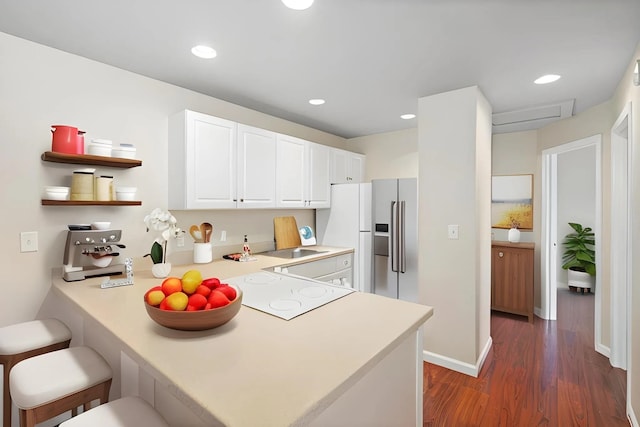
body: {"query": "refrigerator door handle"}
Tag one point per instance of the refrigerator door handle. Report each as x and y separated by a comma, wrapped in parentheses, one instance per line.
(394, 236)
(401, 239)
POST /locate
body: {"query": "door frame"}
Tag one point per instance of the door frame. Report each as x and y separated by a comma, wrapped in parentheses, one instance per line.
(621, 243)
(549, 238)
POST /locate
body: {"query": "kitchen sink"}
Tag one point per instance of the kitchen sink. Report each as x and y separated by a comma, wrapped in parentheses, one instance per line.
(293, 253)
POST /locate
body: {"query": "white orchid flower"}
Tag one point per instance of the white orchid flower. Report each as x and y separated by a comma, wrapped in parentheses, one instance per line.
(162, 221)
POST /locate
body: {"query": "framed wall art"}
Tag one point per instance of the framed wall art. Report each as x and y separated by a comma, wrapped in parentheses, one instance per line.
(512, 201)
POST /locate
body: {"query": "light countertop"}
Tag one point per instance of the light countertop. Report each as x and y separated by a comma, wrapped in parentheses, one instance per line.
(256, 370)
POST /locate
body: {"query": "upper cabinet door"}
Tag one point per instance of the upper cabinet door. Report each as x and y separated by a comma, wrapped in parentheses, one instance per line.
(346, 166)
(290, 172)
(256, 168)
(202, 162)
(319, 184)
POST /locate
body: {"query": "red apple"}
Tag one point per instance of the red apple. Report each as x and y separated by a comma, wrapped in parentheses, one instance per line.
(203, 290)
(211, 282)
(218, 299)
(229, 291)
(198, 301)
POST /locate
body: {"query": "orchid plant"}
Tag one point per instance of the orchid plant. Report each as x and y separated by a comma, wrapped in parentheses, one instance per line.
(162, 221)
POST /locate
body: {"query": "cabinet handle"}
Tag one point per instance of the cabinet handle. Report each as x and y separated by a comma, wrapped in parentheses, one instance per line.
(500, 254)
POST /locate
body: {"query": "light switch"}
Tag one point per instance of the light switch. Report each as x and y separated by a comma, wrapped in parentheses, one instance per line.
(453, 231)
(29, 241)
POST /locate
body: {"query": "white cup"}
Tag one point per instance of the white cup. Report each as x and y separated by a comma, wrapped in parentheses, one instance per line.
(202, 253)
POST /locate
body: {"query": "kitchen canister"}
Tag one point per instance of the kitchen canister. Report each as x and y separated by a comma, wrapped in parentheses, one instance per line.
(104, 188)
(67, 139)
(202, 253)
(82, 184)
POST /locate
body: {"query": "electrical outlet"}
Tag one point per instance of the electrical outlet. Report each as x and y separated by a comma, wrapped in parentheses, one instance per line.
(29, 241)
(453, 231)
(223, 236)
(180, 241)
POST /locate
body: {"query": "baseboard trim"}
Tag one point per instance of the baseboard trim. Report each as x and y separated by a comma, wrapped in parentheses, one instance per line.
(632, 417)
(603, 350)
(456, 365)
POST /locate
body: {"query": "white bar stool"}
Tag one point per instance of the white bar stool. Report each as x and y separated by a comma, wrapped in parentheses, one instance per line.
(24, 340)
(128, 411)
(51, 384)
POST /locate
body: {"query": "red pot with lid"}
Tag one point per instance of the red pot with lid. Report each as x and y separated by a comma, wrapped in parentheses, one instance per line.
(67, 139)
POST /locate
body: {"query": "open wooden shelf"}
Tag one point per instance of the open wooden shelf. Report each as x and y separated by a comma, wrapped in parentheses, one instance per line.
(88, 159)
(48, 202)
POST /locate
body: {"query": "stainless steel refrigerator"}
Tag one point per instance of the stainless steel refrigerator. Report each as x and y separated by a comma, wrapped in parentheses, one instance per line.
(395, 238)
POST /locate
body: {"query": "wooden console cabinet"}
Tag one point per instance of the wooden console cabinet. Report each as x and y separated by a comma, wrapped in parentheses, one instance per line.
(512, 278)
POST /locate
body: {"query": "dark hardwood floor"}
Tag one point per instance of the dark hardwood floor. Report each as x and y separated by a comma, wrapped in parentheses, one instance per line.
(541, 374)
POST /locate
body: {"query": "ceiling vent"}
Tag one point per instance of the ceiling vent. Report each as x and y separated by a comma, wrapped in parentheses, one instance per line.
(531, 118)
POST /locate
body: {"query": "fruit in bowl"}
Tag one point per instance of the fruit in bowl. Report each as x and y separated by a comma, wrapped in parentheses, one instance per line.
(192, 303)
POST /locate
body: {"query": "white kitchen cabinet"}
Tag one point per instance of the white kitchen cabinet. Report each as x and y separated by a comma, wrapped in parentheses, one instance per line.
(346, 167)
(319, 168)
(302, 173)
(290, 172)
(256, 183)
(218, 164)
(202, 162)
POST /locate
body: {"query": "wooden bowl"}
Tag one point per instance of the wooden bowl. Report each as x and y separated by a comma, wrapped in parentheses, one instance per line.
(196, 320)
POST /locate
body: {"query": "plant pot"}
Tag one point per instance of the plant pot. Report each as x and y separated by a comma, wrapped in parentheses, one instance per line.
(579, 279)
(161, 270)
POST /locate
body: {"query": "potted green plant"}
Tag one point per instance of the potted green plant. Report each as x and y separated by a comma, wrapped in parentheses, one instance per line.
(579, 257)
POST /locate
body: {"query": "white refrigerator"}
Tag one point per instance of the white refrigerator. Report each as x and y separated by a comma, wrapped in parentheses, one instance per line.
(348, 224)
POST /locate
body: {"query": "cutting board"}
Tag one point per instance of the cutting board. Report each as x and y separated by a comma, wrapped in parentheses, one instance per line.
(286, 232)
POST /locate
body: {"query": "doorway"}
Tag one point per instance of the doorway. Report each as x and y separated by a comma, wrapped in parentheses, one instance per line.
(620, 241)
(552, 235)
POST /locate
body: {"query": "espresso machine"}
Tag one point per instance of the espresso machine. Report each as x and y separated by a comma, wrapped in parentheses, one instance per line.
(89, 253)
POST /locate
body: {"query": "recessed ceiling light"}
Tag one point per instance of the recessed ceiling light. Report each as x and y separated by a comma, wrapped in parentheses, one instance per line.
(547, 78)
(204, 52)
(298, 4)
(316, 101)
(408, 116)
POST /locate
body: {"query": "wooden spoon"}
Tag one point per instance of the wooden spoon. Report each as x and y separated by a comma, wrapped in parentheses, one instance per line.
(196, 233)
(206, 229)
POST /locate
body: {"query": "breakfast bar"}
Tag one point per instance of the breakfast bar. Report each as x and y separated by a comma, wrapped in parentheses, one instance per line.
(354, 361)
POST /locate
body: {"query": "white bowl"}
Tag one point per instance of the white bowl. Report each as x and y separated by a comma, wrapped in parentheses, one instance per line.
(101, 225)
(126, 193)
(100, 147)
(57, 193)
(125, 151)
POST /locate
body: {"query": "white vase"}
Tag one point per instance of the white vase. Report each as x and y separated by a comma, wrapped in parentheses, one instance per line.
(514, 235)
(161, 270)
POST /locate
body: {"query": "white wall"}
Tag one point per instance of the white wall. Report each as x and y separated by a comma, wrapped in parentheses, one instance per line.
(576, 197)
(40, 86)
(625, 93)
(454, 188)
(515, 154)
(389, 155)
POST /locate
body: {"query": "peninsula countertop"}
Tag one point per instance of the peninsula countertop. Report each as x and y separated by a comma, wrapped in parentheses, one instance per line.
(257, 369)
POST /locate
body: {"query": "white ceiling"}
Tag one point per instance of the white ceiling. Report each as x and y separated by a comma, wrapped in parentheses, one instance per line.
(370, 59)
